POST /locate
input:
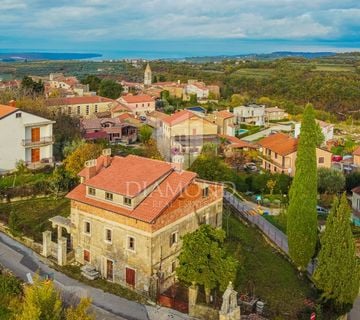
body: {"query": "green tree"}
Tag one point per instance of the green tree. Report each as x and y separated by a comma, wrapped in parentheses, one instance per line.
(302, 216)
(40, 302)
(319, 136)
(352, 180)
(145, 133)
(74, 163)
(330, 181)
(60, 181)
(337, 274)
(110, 89)
(193, 98)
(204, 261)
(92, 81)
(29, 86)
(80, 312)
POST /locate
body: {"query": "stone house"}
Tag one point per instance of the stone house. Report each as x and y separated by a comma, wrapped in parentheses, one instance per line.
(83, 107)
(278, 154)
(128, 216)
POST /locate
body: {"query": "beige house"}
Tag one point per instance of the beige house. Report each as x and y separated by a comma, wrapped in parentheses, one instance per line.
(181, 136)
(275, 113)
(128, 216)
(225, 120)
(250, 114)
(278, 154)
(356, 157)
(140, 104)
(85, 107)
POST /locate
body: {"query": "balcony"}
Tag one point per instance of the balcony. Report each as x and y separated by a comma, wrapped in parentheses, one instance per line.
(41, 142)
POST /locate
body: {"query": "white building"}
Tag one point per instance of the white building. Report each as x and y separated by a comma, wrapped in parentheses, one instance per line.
(250, 114)
(327, 130)
(193, 87)
(26, 137)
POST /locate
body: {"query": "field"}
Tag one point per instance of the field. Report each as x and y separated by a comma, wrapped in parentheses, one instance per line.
(30, 217)
(267, 273)
(15, 180)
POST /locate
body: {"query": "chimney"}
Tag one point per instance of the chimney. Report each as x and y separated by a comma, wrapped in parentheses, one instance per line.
(12, 103)
(107, 157)
(90, 169)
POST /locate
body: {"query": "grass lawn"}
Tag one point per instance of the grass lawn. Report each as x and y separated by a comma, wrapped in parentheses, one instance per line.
(31, 216)
(270, 275)
(277, 222)
(15, 180)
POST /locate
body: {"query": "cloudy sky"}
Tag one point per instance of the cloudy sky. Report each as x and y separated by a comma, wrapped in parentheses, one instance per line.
(80, 25)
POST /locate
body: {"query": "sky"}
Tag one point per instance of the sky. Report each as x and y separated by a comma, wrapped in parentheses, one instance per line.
(224, 26)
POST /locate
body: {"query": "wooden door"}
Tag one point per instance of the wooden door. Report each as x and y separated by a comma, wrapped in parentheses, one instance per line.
(109, 270)
(130, 277)
(86, 256)
(35, 134)
(35, 155)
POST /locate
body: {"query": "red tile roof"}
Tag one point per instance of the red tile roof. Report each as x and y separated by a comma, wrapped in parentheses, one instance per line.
(77, 100)
(135, 173)
(357, 151)
(224, 114)
(179, 116)
(236, 142)
(280, 143)
(137, 98)
(6, 110)
(356, 190)
(132, 174)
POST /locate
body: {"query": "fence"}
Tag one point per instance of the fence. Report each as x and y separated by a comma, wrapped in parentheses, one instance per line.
(278, 237)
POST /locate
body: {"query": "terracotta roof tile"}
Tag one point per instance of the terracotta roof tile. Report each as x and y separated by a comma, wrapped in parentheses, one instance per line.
(280, 143)
(225, 114)
(178, 117)
(138, 173)
(6, 110)
(356, 190)
(77, 100)
(236, 142)
(357, 151)
(137, 98)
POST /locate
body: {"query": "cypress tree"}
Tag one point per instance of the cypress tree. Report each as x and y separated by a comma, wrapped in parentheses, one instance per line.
(302, 216)
(337, 274)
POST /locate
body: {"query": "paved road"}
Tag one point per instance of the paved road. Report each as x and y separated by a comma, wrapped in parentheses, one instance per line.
(21, 260)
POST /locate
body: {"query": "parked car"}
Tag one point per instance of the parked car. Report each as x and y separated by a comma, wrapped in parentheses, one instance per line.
(251, 166)
(142, 118)
(336, 158)
(321, 210)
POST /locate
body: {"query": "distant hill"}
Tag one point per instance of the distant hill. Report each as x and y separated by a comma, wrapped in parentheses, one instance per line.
(262, 56)
(22, 56)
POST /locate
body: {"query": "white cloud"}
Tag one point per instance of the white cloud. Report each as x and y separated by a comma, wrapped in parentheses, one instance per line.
(173, 19)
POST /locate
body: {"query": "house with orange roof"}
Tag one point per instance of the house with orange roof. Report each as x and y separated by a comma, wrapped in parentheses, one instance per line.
(140, 104)
(82, 107)
(181, 136)
(233, 144)
(278, 154)
(225, 120)
(24, 137)
(356, 157)
(129, 214)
